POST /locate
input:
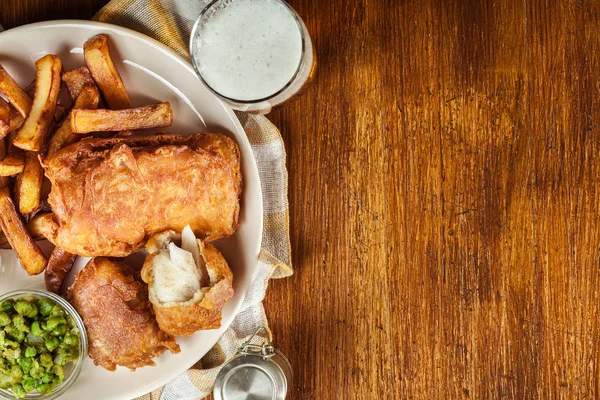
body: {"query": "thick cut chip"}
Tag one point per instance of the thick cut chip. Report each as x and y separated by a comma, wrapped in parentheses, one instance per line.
(32, 258)
(59, 113)
(12, 165)
(16, 120)
(33, 226)
(30, 184)
(12, 159)
(32, 134)
(76, 79)
(154, 116)
(102, 68)
(4, 118)
(88, 98)
(13, 92)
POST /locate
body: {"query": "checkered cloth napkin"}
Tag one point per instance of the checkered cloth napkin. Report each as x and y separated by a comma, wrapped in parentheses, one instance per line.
(170, 22)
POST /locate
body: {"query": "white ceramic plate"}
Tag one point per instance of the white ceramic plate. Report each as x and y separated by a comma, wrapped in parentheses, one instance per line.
(152, 73)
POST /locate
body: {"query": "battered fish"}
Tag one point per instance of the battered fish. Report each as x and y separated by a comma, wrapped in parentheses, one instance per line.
(120, 325)
(110, 195)
(188, 285)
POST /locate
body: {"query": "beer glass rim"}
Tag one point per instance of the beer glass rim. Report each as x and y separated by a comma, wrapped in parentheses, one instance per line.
(193, 37)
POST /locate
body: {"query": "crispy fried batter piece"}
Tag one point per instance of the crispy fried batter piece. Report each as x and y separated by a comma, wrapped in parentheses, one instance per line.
(59, 265)
(114, 305)
(109, 196)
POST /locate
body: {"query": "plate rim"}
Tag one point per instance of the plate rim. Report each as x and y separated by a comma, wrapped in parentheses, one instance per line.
(241, 135)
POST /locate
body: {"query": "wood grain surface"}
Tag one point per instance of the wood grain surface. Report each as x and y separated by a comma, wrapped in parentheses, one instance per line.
(445, 199)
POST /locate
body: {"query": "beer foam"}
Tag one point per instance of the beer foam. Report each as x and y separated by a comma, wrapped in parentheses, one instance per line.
(248, 49)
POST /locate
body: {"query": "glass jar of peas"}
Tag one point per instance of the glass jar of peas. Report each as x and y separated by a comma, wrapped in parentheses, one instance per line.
(42, 345)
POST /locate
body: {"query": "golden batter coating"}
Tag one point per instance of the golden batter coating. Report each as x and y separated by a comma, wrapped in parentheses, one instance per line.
(120, 325)
(110, 195)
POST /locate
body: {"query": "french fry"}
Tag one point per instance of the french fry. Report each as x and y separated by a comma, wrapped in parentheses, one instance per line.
(29, 185)
(60, 110)
(4, 180)
(88, 98)
(16, 120)
(59, 265)
(4, 118)
(104, 72)
(59, 113)
(32, 134)
(12, 159)
(154, 116)
(76, 79)
(32, 258)
(12, 165)
(14, 94)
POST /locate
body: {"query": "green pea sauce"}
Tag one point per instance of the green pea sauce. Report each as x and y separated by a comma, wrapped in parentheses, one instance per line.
(37, 339)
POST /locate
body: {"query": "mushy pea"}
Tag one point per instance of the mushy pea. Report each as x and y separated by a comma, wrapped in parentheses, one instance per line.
(37, 339)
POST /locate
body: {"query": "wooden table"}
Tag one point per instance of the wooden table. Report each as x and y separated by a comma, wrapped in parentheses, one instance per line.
(445, 199)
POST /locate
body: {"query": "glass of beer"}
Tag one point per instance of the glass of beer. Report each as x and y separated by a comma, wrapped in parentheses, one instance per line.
(253, 54)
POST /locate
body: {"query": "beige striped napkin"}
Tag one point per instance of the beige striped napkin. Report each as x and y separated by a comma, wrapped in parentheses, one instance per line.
(170, 22)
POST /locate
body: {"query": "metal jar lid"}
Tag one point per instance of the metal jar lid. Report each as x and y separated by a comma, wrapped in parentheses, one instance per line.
(258, 372)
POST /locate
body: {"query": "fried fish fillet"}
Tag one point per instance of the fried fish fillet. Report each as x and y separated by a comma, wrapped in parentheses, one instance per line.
(120, 325)
(109, 196)
(187, 287)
